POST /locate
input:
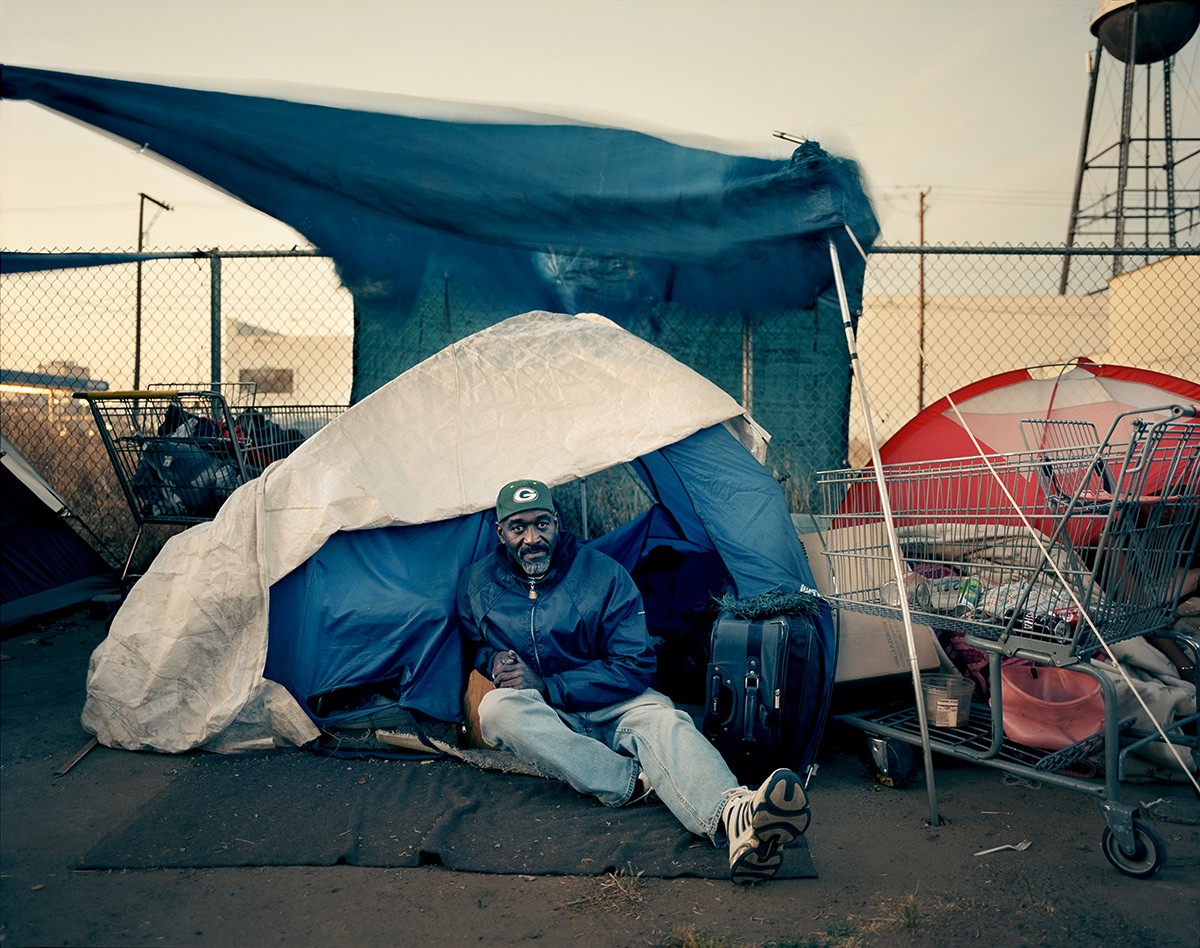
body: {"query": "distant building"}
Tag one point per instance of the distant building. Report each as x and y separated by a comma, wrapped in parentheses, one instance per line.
(46, 393)
(288, 369)
(1152, 316)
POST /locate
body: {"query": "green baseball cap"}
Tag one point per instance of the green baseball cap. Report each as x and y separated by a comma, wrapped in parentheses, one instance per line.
(524, 494)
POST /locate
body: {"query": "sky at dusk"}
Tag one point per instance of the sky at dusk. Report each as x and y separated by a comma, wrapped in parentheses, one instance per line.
(981, 105)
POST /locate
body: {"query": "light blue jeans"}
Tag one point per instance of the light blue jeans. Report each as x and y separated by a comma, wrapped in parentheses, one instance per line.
(599, 753)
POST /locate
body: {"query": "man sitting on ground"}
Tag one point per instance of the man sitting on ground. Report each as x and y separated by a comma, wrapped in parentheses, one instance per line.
(561, 632)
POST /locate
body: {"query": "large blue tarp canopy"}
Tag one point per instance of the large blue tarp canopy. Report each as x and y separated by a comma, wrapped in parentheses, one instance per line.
(445, 219)
(546, 213)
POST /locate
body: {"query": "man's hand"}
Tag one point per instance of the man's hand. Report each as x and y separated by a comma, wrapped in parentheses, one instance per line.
(510, 671)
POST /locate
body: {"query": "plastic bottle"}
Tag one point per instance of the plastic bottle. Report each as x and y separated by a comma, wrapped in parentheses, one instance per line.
(944, 592)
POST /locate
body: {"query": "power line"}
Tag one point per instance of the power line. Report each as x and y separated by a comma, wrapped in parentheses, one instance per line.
(969, 195)
(106, 208)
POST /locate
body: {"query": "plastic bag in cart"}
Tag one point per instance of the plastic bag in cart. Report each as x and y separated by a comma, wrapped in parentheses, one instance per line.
(180, 479)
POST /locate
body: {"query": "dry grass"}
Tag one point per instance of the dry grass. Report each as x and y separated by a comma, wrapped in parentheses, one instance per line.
(613, 497)
(1033, 900)
(686, 936)
(924, 919)
(66, 449)
(619, 891)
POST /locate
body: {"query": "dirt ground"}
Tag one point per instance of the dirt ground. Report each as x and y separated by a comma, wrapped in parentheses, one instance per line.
(886, 875)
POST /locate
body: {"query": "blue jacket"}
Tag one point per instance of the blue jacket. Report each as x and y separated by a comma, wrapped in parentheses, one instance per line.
(584, 632)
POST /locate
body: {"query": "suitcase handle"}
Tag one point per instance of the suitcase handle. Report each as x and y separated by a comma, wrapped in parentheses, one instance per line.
(714, 692)
(718, 688)
(750, 701)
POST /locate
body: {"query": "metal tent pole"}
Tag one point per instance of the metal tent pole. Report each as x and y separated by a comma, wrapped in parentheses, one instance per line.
(885, 505)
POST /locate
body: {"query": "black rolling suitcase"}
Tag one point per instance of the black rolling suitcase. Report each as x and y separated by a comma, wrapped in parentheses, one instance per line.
(767, 695)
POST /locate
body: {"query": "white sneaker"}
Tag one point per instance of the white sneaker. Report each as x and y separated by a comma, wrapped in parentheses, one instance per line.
(750, 859)
(760, 823)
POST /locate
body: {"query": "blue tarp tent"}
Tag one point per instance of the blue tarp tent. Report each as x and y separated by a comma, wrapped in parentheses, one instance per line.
(360, 627)
(324, 588)
(45, 566)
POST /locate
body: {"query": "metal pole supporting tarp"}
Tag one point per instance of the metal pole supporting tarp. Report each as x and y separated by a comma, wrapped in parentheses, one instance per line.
(885, 505)
(214, 317)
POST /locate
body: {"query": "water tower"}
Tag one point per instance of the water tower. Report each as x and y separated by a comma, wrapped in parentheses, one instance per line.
(1137, 187)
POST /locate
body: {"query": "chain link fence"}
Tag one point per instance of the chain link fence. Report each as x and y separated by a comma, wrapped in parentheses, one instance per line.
(934, 319)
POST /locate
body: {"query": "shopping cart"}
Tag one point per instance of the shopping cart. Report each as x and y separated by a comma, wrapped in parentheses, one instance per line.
(178, 455)
(272, 432)
(1047, 555)
(268, 432)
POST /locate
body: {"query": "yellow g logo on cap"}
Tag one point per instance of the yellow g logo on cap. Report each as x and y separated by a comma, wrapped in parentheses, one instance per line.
(524, 495)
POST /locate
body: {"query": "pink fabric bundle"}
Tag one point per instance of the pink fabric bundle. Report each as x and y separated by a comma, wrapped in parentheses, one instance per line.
(1050, 708)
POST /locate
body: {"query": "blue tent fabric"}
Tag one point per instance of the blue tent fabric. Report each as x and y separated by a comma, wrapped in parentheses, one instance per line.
(545, 213)
(716, 488)
(368, 623)
(45, 566)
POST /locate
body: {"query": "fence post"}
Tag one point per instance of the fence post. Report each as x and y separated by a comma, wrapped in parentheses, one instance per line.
(214, 257)
(747, 362)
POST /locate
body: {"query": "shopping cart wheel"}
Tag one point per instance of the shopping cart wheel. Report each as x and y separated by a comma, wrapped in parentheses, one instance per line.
(890, 762)
(1149, 851)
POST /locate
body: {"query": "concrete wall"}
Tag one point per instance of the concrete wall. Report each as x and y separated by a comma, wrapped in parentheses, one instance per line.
(1148, 303)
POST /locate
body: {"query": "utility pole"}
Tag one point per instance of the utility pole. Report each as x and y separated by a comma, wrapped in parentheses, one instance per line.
(137, 331)
(921, 301)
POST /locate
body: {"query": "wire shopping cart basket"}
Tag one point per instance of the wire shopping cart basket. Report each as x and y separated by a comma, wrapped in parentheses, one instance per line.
(179, 454)
(1049, 556)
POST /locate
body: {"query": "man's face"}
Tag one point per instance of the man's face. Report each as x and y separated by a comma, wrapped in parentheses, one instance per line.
(530, 537)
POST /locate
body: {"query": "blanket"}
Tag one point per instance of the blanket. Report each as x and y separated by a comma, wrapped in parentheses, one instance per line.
(294, 808)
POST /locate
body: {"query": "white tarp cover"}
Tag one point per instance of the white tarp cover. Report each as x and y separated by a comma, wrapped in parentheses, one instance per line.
(542, 395)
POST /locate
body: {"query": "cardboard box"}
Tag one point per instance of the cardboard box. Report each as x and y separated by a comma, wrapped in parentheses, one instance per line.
(869, 646)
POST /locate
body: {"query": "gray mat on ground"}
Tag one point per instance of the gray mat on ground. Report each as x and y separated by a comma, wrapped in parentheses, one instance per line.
(301, 809)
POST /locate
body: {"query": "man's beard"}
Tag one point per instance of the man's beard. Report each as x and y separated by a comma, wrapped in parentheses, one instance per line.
(537, 567)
